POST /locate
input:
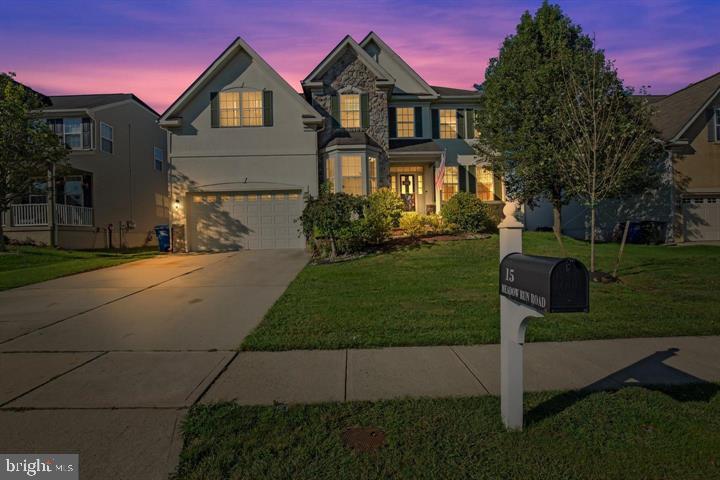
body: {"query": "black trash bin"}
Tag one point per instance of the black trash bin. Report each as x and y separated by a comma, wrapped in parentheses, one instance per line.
(163, 235)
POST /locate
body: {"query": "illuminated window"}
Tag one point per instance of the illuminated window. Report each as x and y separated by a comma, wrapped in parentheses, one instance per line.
(351, 170)
(241, 109)
(420, 183)
(330, 172)
(350, 111)
(405, 122)
(252, 109)
(485, 184)
(197, 199)
(211, 198)
(450, 183)
(448, 123)
(372, 174)
(393, 183)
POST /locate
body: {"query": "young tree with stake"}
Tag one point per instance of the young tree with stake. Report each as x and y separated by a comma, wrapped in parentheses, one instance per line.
(612, 145)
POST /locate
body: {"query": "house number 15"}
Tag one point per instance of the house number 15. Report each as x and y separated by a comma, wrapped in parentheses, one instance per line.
(510, 275)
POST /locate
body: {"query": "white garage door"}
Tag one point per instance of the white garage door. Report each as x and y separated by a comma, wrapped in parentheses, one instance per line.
(701, 218)
(235, 220)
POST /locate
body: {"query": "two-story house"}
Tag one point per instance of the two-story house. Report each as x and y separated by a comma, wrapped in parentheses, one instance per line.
(245, 147)
(114, 189)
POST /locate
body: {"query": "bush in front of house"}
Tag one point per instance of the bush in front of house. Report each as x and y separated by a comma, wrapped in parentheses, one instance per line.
(328, 221)
(466, 213)
(413, 224)
(381, 214)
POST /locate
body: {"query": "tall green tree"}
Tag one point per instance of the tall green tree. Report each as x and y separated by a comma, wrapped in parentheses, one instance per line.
(28, 148)
(523, 92)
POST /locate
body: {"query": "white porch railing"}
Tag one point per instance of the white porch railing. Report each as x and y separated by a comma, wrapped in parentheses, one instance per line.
(29, 214)
(73, 215)
(36, 214)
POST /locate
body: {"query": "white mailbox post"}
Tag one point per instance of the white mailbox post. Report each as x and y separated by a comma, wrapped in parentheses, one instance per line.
(529, 286)
(513, 322)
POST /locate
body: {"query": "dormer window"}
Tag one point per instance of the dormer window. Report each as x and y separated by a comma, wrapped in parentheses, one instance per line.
(350, 110)
(240, 109)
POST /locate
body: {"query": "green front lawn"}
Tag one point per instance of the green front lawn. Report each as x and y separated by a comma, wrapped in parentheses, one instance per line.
(25, 265)
(631, 433)
(447, 293)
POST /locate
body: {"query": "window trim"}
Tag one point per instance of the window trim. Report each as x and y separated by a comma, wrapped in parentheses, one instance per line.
(717, 125)
(455, 185)
(111, 139)
(240, 109)
(155, 159)
(360, 157)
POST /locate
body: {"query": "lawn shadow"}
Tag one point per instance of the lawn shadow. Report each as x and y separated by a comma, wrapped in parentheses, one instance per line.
(651, 373)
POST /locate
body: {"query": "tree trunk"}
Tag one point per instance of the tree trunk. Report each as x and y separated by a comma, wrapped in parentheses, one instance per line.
(333, 249)
(557, 223)
(592, 239)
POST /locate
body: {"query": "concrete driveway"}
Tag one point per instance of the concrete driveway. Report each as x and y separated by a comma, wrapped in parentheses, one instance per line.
(106, 363)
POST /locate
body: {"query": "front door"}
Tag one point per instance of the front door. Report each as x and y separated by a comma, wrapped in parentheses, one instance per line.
(407, 191)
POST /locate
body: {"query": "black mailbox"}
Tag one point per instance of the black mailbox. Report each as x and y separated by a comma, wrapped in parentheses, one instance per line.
(546, 284)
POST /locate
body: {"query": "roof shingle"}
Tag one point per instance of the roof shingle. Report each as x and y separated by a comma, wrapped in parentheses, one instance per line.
(675, 111)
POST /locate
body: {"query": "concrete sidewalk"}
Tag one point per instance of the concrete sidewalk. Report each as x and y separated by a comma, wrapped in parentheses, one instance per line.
(262, 378)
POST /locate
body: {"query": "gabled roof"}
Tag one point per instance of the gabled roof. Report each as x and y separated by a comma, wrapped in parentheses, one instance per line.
(374, 37)
(310, 115)
(314, 78)
(82, 102)
(676, 112)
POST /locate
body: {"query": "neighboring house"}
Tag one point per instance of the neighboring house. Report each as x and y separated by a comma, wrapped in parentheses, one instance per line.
(687, 203)
(114, 190)
(245, 147)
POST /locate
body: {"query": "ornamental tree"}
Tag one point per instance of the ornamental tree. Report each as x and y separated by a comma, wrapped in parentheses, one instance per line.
(28, 148)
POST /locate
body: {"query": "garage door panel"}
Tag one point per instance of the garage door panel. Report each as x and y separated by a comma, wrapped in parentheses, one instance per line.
(234, 220)
(701, 218)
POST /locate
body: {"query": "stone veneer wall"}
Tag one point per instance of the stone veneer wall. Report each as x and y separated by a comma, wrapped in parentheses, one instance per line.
(350, 71)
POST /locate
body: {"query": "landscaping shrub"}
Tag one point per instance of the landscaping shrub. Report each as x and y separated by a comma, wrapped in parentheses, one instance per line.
(330, 218)
(413, 224)
(466, 212)
(382, 213)
(435, 224)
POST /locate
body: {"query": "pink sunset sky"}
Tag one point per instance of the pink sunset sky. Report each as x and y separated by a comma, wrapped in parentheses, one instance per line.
(155, 49)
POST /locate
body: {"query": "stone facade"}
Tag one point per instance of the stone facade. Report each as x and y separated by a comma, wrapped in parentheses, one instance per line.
(350, 71)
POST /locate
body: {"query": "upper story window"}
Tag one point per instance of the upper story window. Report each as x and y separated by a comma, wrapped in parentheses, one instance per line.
(158, 157)
(350, 110)
(106, 138)
(717, 124)
(240, 109)
(405, 122)
(75, 132)
(448, 123)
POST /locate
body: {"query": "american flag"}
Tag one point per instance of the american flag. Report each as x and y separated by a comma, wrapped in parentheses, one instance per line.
(440, 173)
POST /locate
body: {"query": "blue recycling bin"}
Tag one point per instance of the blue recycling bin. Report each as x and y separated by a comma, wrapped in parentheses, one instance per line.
(163, 236)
